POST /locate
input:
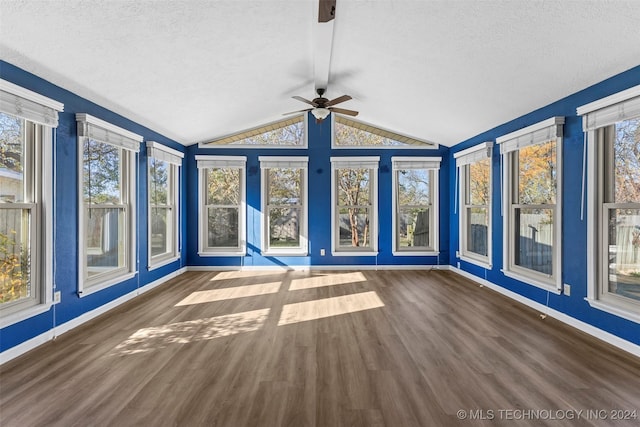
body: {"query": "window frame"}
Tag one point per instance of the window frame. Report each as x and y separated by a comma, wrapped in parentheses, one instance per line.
(464, 160)
(128, 143)
(597, 116)
(370, 163)
(291, 162)
(432, 165)
(408, 143)
(510, 146)
(173, 158)
(204, 163)
(42, 113)
(227, 142)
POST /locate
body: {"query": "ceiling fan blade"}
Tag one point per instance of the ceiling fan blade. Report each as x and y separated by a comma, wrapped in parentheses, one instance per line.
(299, 111)
(326, 10)
(338, 100)
(343, 111)
(299, 98)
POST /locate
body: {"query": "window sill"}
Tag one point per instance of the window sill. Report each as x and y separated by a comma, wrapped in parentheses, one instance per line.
(614, 309)
(484, 264)
(287, 253)
(353, 253)
(103, 285)
(162, 262)
(210, 254)
(532, 281)
(415, 253)
(24, 314)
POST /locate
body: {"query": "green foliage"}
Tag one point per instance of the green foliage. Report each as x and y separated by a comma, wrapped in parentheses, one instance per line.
(14, 269)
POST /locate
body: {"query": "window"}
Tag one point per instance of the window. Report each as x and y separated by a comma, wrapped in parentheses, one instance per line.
(415, 205)
(349, 133)
(284, 205)
(613, 130)
(287, 133)
(532, 202)
(26, 269)
(107, 203)
(474, 168)
(354, 205)
(163, 167)
(222, 219)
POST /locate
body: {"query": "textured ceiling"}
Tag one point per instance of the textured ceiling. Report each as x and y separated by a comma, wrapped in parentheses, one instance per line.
(441, 71)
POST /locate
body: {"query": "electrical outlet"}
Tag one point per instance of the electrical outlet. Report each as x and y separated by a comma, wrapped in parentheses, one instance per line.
(57, 297)
(458, 265)
(567, 289)
(322, 253)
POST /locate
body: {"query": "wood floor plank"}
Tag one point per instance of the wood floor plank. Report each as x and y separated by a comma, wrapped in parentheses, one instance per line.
(343, 348)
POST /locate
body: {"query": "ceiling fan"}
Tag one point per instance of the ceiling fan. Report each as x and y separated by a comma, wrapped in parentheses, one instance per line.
(322, 107)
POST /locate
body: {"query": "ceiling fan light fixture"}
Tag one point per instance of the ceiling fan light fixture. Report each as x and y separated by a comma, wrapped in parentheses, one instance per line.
(320, 113)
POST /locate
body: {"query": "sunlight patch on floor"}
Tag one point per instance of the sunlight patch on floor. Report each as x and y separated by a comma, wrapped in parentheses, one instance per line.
(158, 337)
(226, 275)
(202, 297)
(327, 307)
(326, 280)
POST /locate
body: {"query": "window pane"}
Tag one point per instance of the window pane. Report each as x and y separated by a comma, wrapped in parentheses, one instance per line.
(478, 230)
(159, 175)
(534, 239)
(627, 161)
(105, 240)
(537, 174)
(479, 178)
(101, 172)
(223, 186)
(160, 230)
(284, 186)
(413, 187)
(284, 228)
(12, 151)
(353, 187)
(15, 274)
(413, 227)
(624, 252)
(354, 227)
(222, 227)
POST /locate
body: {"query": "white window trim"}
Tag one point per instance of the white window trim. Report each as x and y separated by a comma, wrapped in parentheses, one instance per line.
(464, 159)
(608, 110)
(305, 141)
(45, 229)
(205, 162)
(29, 105)
(34, 107)
(266, 163)
(90, 127)
(370, 162)
(433, 165)
(174, 159)
(538, 133)
(419, 144)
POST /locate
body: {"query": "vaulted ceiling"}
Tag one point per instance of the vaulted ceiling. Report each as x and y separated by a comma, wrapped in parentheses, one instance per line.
(441, 71)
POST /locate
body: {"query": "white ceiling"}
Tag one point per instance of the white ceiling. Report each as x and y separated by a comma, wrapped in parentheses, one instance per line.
(442, 71)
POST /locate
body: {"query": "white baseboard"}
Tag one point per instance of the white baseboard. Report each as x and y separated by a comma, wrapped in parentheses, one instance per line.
(571, 321)
(314, 267)
(58, 330)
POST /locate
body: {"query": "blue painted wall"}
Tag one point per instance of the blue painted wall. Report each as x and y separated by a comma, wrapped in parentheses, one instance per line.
(574, 230)
(65, 256)
(319, 152)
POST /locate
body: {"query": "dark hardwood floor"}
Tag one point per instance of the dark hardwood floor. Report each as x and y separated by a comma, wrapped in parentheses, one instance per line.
(371, 348)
